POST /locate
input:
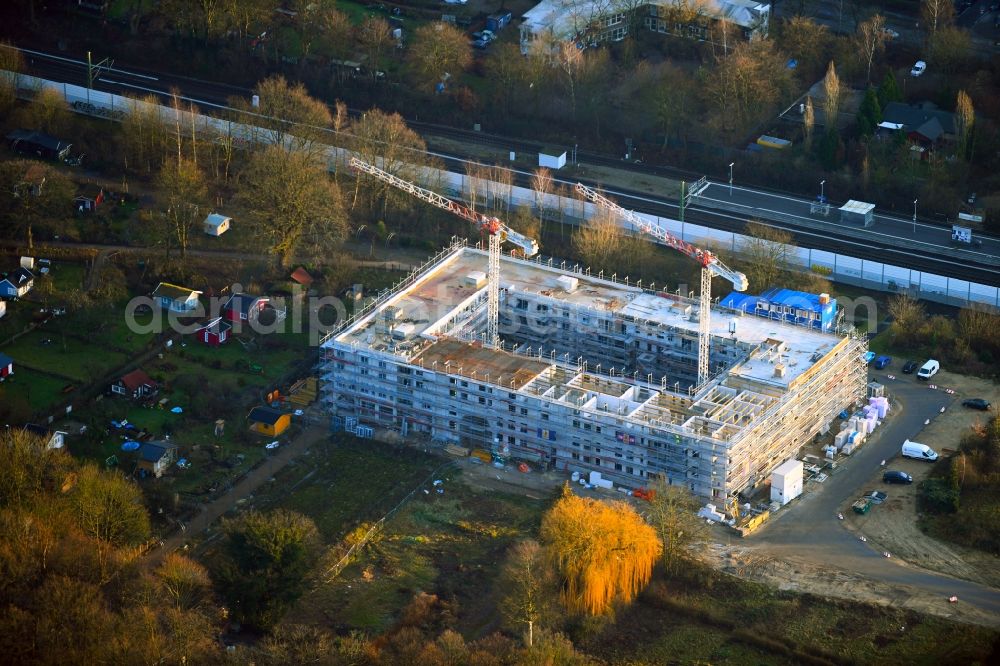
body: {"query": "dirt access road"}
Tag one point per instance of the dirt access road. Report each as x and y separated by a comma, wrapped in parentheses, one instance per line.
(893, 528)
(807, 548)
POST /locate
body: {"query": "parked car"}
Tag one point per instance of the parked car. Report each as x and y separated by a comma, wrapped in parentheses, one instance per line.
(919, 451)
(882, 361)
(869, 357)
(893, 476)
(910, 367)
(919, 68)
(976, 403)
(890, 33)
(928, 369)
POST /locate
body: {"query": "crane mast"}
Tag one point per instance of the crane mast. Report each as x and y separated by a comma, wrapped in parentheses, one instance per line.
(710, 265)
(497, 231)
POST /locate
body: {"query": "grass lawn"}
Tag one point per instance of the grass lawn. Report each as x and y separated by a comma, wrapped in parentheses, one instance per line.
(64, 356)
(116, 334)
(42, 391)
(447, 544)
(356, 480)
(67, 277)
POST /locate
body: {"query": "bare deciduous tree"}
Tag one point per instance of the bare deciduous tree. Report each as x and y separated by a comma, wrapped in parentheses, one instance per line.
(375, 37)
(907, 316)
(808, 122)
(808, 40)
(146, 135)
(965, 119)
(183, 193)
(541, 186)
(673, 514)
(384, 140)
(766, 251)
(294, 207)
(530, 588)
(832, 93)
(871, 39)
(746, 85)
(439, 51)
(11, 65)
(291, 117)
(949, 48)
(936, 14)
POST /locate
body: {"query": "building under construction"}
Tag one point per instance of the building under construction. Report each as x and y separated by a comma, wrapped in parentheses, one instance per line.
(592, 375)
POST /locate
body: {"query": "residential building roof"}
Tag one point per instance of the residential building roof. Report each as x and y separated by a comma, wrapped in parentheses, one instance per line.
(216, 220)
(35, 429)
(265, 415)
(301, 276)
(154, 451)
(173, 292)
(19, 276)
(134, 380)
(215, 326)
(915, 118)
(566, 19)
(931, 129)
(243, 303)
(38, 138)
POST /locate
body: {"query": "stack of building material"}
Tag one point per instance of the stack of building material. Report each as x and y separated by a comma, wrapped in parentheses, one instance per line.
(303, 392)
(454, 450)
(598, 482)
(711, 513)
(854, 440)
(841, 438)
(880, 405)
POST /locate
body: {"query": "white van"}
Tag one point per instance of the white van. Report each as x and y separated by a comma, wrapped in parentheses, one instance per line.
(928, 369)
(919, 451)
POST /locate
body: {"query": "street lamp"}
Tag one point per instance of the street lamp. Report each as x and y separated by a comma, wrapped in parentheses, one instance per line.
(731, 178)
(915, 216)
(821, 197)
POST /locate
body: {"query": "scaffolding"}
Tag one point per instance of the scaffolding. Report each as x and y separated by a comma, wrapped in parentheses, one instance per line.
(572, 389)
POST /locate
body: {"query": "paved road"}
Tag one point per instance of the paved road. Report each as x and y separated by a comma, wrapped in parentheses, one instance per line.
(810, 528)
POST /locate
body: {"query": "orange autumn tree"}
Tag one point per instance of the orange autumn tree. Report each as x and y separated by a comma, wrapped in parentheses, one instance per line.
(604, 551)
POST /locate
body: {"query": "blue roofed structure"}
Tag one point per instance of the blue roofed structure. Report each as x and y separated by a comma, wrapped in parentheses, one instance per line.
(817, 311)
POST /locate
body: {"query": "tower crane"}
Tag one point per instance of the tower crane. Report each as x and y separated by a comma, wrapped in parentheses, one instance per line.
(710, 265)
(498, 233)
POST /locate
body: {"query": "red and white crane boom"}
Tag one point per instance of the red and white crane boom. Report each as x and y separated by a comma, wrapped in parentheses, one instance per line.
(497, 231)
(710, 265)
